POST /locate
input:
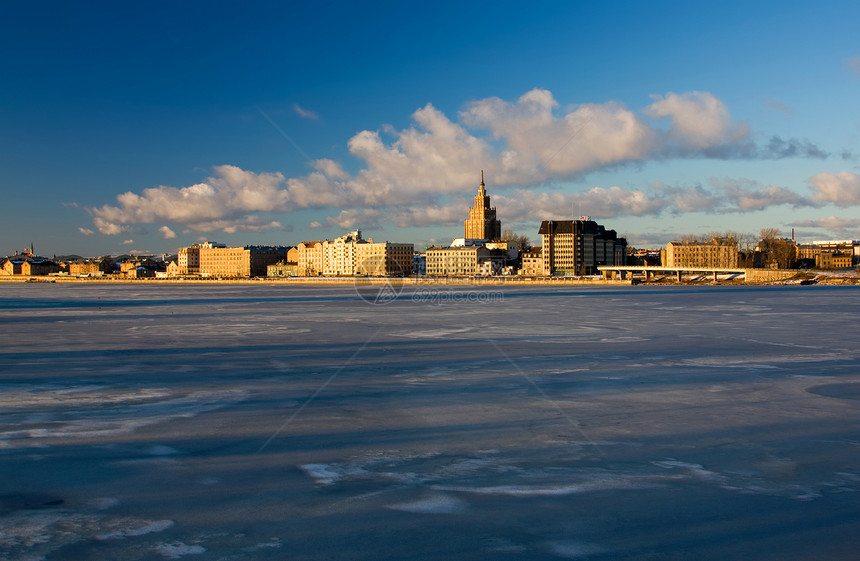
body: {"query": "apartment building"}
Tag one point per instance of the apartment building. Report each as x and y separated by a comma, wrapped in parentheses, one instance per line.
(456, 261)
(350, 254)
(810, 251)
(715, 254)
(309, 258)
(833, 260)
(532, 263)
(247, 261)
(578, 247)
(188, 258)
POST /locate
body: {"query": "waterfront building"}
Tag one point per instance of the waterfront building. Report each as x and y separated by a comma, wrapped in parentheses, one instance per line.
(309, 259)
(283, 269)
(247, 261)
(384, 258)
(810, 252)
(833, 260)
(482, 223)
(91, 267)
(578, 247)
(339, 254)
(351, 254)
(532, 262)
(455, 261)
(139, 268)
(508, 247)
(28, 266)
(463, 242)
(188, 258)
(463, 261)
(419, 264)
(715, 254)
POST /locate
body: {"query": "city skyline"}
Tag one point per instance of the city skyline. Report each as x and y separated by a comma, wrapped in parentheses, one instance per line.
(148, 128)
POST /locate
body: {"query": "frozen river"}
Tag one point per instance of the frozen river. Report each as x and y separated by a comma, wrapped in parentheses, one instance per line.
(245, 422)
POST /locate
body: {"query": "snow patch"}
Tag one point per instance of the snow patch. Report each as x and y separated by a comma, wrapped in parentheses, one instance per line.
(178, 549)
(434, 333)
(437, 504)
(130, 528)
(323, 474)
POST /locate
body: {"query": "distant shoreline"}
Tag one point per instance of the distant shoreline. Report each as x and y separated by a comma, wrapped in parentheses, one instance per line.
(804, 277)
(330, 281)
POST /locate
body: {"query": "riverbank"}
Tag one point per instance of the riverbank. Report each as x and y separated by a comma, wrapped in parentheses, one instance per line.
(334, 281)
(762, 278)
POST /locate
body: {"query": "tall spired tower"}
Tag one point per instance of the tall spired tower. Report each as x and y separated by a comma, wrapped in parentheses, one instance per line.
(482, 223)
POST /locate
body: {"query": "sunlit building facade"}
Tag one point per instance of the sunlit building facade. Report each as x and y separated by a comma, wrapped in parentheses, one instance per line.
(578, 247)
(719, 253)
(482, 223)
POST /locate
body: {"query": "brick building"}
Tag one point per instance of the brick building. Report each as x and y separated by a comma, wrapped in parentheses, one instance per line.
(716, 254)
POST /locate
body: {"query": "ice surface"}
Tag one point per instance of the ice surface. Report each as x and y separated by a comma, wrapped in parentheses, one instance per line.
(220, 421)
(177, 550)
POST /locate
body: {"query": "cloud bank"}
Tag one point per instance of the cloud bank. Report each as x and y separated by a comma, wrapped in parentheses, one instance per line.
(841, 189)
(412, 176)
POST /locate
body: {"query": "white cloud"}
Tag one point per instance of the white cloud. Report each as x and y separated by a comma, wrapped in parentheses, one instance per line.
(167, 233)
(699, 122)
(352, 218)
(108, 228)
(688, 199)
(86, 231)
(841, 189)
(539, 145)
(835, 227)
(330, 168)
(127, 242)
(746, 195)
(416, 176)
(437, 156)
(253, 223)
(834, 223)
(726, 195)
(597, 202)
(231, 195)
(318, 190)
(305, 113)
(428, 215)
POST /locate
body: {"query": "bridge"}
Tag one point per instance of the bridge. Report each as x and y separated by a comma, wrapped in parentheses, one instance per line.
(627, 271)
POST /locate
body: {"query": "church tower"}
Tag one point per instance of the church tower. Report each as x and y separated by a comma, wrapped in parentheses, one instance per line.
(482, 223)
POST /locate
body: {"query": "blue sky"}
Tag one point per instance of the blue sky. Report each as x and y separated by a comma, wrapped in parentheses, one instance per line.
(148, 126)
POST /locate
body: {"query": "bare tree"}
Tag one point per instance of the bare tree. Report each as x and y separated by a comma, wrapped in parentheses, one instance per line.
(785, 253)
(774, 251)
(746, 242)
(746, 249)
(768, 234)
(521, 241)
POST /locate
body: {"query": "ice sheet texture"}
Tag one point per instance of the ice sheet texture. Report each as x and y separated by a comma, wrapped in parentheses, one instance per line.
(306, 422)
